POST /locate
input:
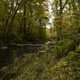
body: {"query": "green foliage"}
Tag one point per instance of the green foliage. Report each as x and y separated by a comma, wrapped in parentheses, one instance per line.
(44, 66)
(21, 20)
(66, 69)
(25, 22)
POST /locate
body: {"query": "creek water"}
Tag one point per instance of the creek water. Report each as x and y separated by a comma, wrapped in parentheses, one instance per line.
(9, 53)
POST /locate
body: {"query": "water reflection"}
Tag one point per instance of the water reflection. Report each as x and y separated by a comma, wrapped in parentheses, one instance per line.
(9, 53)
(5, 56)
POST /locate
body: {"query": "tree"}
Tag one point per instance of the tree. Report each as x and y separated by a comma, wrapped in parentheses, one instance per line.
(22, 18)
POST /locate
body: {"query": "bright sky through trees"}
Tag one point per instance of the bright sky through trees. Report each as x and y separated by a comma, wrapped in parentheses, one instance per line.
(50, 16)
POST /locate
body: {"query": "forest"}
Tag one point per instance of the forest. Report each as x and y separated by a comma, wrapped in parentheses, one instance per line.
(39, 39)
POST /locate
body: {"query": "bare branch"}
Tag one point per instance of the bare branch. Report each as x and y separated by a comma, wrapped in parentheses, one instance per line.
(65, 4)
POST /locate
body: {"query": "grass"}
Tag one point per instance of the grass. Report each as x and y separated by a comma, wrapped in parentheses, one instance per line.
(45, 65)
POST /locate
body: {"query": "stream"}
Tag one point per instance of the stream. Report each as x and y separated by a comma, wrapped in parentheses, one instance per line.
(10, 52)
